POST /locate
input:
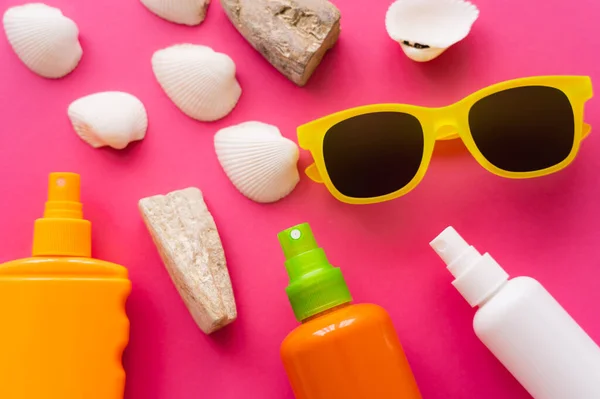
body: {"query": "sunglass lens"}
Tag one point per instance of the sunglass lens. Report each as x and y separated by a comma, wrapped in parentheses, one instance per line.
(373, 154)
(523, 129)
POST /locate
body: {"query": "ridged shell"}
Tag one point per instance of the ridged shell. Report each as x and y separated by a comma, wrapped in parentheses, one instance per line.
(200, 81)
(426, 28)
(258, 160)
(43, 38)
(110, 118)
(186, 12)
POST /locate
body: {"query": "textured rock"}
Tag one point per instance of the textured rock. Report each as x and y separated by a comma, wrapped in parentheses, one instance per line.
(293, 35)
(188, 242)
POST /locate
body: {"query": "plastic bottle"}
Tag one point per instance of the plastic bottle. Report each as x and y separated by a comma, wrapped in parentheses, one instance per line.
(523, 325)
(62, 313)
(340, 350)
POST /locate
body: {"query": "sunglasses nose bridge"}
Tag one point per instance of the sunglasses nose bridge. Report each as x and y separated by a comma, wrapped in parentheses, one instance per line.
(445, 126)
(445, 131)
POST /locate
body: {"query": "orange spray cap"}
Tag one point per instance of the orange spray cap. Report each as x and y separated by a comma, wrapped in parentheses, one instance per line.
(63, 231)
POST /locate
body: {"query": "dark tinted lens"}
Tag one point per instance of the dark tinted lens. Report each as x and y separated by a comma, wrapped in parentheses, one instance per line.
(373, 154)
(523, 129)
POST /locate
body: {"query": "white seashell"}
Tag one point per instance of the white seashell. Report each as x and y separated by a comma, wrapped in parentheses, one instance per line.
(258, 160)
(186, 12)
(426, 28)
(43, 38)
(200, 81)
(110, 118)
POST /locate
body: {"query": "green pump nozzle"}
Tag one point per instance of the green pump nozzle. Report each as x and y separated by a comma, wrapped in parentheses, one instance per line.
(315, 285)
(297, 240)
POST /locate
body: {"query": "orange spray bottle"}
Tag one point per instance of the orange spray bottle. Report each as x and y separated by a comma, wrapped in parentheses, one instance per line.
(64, 326)
(341, 351)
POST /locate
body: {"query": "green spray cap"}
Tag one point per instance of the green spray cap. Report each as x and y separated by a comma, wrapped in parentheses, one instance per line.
(315, 285)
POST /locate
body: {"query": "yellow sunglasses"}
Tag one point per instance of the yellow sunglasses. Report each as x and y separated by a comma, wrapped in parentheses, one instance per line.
(521, 128)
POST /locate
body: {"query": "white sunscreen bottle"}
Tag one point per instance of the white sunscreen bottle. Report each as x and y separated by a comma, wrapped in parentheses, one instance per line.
(523, 325)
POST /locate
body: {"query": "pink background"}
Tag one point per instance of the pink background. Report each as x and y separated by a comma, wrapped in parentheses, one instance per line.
(547, 228)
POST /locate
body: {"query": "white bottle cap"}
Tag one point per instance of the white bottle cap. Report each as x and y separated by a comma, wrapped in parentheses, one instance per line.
(476, 276)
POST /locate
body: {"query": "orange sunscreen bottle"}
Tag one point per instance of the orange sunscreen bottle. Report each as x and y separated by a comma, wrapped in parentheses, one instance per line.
(341, 351)
(62, 313)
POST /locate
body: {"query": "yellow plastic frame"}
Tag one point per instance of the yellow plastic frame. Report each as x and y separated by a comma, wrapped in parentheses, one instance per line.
(446, 123)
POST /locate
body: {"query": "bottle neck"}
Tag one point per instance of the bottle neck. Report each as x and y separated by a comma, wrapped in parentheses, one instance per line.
(62, 237)
(323, 313)
(63, 231)
(492, 294)
(315, 285)
(477, 277)
(480, 279)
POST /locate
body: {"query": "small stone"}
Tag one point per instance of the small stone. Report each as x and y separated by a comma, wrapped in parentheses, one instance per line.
(187, 239)
(293, 35)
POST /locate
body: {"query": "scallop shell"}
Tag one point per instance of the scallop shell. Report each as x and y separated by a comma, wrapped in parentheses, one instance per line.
(43, 38)
(258, 160)
(110, 118)
(200, 81)
(185, 12)
(426, 28)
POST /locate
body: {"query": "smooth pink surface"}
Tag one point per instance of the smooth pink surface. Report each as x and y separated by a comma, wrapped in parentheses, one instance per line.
(547, 228)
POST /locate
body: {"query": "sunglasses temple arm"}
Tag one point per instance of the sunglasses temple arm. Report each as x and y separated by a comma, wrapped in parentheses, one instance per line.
(313, 173)
(586, 130)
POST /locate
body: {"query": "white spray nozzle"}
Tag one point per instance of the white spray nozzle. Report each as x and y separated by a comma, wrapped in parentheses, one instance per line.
(476, 276)
(454, 251)
(449, 245)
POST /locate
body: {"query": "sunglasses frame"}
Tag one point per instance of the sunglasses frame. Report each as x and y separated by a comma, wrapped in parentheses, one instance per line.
(446, 123)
